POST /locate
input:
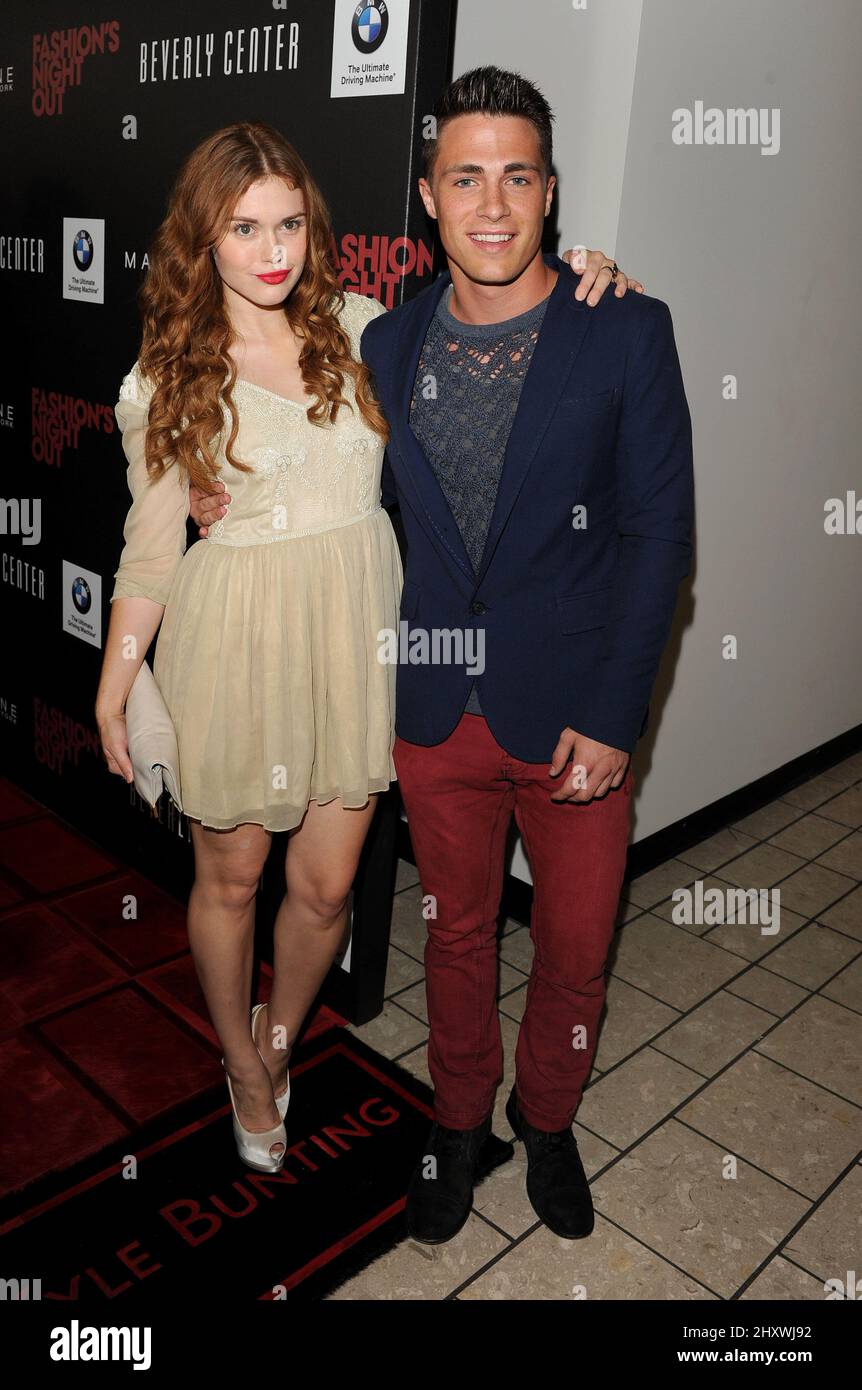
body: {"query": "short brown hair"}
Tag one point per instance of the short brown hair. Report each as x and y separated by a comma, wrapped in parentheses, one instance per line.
(491, 91)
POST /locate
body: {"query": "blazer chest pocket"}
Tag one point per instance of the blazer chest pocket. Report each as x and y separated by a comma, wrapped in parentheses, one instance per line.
(409, 598)
(582, 612)
(590, 401)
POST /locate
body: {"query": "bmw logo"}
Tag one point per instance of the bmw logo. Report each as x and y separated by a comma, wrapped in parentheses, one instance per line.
(81, 596)
(370, 23)
(82, 250)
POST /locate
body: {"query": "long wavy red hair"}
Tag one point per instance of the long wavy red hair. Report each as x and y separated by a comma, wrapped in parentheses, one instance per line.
(186, 330)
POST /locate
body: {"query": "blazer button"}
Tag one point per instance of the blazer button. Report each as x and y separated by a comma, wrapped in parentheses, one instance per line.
(478, 606)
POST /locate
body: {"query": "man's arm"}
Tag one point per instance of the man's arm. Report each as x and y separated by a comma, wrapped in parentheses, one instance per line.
(389, 494)
(655, 515)
(372, 357)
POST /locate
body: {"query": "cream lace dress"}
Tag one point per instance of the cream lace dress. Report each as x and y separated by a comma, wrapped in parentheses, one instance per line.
(267, 656)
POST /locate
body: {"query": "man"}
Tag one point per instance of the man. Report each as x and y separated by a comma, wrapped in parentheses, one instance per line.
(541, 456)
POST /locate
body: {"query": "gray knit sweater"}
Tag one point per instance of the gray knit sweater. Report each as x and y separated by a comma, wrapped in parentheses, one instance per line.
(465, 395)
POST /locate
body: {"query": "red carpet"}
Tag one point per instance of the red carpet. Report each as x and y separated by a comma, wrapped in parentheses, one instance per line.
(104, 1027)
(107, 1060)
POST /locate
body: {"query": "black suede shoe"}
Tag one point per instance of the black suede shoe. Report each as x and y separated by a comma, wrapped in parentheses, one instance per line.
(438, 1207)
(556, 1182)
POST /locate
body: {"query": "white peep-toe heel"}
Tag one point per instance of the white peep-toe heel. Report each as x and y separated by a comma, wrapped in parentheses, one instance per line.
(255, 1147)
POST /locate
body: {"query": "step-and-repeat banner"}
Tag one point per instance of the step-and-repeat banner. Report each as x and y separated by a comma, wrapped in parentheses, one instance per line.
(98, 114)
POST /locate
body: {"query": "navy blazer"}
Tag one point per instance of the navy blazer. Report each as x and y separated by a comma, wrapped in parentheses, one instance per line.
(575, 612)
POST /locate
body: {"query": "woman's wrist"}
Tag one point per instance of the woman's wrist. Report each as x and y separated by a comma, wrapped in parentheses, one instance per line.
(106, 710)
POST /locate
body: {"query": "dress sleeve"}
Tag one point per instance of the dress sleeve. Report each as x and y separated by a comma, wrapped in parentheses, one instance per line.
(373, 307)
(359, 310)
(155, 529)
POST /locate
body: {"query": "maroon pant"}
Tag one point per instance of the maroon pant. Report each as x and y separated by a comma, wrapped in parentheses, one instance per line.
(459, 796)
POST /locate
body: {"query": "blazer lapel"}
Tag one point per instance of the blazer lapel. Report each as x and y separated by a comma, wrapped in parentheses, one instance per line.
(408, 350)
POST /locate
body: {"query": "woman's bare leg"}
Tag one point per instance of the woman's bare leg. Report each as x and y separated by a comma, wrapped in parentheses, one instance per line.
(322, 857)
(228, 866)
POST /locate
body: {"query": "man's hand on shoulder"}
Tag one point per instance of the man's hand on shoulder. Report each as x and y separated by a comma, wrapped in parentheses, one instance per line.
(596, 272)
(596, 767)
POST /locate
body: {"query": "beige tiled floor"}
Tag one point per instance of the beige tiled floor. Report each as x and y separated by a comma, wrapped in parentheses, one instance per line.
(722, 1125)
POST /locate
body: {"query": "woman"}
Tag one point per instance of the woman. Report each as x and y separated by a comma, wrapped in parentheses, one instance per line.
(249, 376)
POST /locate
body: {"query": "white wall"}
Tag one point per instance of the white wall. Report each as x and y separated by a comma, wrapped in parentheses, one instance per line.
(756, 256)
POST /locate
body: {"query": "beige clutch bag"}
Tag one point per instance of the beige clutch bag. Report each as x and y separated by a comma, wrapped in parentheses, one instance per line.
(152, 740)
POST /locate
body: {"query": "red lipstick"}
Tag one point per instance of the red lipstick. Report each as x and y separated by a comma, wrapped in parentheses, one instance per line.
(275, 277)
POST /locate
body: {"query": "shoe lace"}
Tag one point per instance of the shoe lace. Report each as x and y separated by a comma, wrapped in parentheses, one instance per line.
(554, 1141)
(449, 1142)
